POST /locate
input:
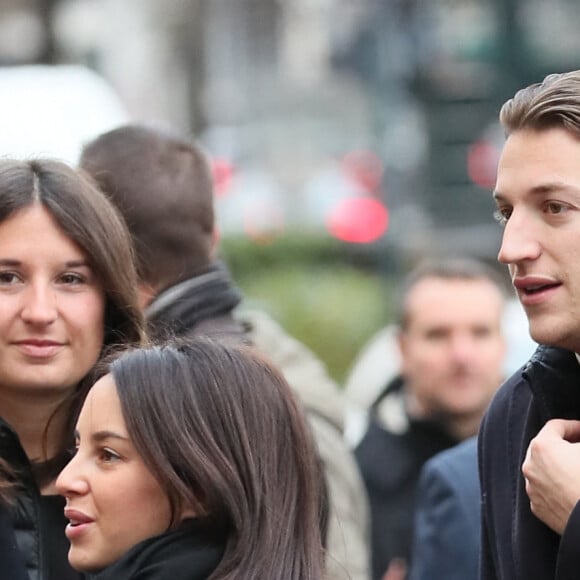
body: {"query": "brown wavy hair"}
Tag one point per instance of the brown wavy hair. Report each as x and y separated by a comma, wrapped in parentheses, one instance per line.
(554, 102)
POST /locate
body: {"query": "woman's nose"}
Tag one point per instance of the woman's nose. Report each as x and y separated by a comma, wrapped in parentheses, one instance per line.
(39, 304)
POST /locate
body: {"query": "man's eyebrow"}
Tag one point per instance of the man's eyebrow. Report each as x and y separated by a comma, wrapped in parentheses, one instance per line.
(545, 188)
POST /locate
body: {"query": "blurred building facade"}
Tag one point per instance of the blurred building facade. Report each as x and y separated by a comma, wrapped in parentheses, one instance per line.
(285, 90)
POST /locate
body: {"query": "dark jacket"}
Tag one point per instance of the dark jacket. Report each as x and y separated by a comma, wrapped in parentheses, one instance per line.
(34, 524)
(447, 521)
(187, 553)
(203, 304)
(390, 463)
(515, 544)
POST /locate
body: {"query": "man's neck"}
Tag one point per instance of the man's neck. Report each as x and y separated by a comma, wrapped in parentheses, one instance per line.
(460, 427)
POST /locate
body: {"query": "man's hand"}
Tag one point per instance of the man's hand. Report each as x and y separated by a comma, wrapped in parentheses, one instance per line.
(552, 472)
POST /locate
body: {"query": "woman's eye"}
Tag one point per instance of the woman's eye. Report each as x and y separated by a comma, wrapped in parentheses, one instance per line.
(108, 455)
(9, 278)
(72, 278)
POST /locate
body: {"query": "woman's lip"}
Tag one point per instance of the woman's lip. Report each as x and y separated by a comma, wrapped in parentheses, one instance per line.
(74, 532)
(77, 516)
(39, 348)
(79, 523)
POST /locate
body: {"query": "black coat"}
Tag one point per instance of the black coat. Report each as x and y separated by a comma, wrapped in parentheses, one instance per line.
(390, 464)
(188, 553)
(515, 544)
(34, 524)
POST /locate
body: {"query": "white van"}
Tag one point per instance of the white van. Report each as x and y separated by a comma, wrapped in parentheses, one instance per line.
(52, 110)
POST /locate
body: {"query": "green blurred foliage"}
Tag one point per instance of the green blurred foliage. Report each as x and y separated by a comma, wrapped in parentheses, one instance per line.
(330, 297)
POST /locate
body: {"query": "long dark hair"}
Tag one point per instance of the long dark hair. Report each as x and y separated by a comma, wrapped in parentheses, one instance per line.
(219, 428)
(87, 218)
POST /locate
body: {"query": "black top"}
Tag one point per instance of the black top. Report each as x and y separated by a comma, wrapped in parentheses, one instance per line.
(33, 523)
(188, 553)
(390, 464)
(56, 547)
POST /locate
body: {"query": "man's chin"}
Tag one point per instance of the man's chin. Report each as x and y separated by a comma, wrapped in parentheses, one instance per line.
(554, 335)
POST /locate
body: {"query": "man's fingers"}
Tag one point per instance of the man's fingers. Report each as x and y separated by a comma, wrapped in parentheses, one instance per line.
(564, 428)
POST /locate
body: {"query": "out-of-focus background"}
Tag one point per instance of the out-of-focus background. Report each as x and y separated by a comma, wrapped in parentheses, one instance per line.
(349, 137)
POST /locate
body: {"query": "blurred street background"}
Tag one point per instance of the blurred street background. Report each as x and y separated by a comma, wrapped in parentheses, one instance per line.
(349, 137)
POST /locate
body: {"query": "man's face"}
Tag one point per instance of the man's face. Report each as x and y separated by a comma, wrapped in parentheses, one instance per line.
(538, 199)
(452, 350)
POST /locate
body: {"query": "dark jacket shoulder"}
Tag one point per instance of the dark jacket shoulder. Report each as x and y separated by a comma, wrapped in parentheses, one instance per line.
(515, 544)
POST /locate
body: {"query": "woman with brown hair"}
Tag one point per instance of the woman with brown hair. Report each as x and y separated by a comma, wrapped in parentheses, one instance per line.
(194, 462)
(67, 295)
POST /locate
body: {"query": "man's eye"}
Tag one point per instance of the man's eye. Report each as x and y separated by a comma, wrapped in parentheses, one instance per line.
(501, 216)
(555, 207)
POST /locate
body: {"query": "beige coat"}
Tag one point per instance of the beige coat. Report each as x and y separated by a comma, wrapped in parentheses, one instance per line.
(348, 538)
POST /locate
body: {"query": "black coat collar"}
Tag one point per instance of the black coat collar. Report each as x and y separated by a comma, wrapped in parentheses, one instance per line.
(554, 377)
(189, 553)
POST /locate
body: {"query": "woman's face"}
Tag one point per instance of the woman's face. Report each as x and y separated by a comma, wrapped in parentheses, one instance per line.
(52, 307)
(112, 499)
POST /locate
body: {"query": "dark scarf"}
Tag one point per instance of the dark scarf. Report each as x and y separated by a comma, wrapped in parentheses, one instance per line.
(188, 553)
(182, 307)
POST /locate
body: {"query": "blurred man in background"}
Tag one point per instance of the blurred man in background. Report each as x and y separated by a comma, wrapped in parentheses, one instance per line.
(162, 184)
(452, 353)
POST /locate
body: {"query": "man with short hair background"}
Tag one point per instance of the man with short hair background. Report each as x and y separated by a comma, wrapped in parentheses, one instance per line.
(452, 354)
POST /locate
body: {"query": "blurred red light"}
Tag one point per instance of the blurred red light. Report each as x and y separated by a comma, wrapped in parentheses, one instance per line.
(365, 169)
(223, 172)
(358, 220)
(482, 160)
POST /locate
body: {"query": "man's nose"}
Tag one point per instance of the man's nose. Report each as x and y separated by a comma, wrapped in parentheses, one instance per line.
(463, 347)
(520, 241)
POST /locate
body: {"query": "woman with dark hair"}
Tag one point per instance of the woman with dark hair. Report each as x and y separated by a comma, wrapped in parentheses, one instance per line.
(193, 463)
(67, 295)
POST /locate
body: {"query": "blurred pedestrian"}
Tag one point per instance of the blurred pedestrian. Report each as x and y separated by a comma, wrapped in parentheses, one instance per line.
(67, 293)
(452, 350)
(162, 184)
(162, 487)
(531, 520)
